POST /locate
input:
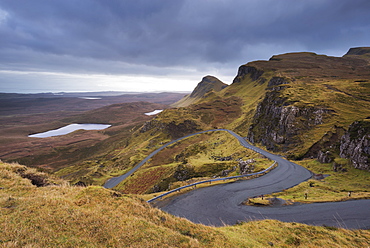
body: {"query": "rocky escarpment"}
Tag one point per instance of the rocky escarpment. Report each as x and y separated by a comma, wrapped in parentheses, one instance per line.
(251, 71)
(358, 51)
(278, 123)
(355, 145)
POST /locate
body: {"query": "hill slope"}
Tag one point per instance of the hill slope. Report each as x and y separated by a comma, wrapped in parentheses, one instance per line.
(40, 211)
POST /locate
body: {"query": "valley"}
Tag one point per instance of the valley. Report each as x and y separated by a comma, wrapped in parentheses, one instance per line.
(25, 114)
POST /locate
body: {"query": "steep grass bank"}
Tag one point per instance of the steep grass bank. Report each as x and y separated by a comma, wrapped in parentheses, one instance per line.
(58, 215)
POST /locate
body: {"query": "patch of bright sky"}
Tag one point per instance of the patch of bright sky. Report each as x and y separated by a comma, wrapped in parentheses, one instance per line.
(18, 81)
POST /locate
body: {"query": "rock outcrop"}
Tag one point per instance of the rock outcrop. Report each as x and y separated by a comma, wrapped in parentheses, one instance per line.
(277, 123)
(325, 157)
(251, 71)
(355, 145)
(247, 166)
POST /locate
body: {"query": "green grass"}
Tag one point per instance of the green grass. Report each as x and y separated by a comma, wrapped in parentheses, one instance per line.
(346, 103)
(333, 188)
(197, 156)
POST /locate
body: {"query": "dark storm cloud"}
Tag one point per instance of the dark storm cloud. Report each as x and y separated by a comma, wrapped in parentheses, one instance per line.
(123, 36)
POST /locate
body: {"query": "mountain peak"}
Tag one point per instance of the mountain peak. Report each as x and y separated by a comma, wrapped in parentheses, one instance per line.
(207, 84)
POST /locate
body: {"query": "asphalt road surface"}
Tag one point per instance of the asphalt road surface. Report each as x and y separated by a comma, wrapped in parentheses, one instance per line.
(221, 204)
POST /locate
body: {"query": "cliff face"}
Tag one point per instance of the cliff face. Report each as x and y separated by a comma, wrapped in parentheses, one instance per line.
(278, 123)
(309, 102)
(251, 71)
(355, 145)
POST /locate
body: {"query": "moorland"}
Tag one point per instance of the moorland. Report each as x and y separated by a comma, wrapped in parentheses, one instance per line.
(24, 114)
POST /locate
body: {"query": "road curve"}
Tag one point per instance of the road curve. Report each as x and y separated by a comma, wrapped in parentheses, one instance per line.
(114, 181)
(220, 204)
(300, 172)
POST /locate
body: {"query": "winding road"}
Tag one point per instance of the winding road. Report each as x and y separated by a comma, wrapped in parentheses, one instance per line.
(221, 204)
(114, 181)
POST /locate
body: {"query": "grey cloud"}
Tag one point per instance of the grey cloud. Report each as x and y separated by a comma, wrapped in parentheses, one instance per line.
(94, 35)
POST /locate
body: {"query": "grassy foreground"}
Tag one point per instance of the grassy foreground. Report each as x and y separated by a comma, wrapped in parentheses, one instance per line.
(54, 214)
(335, 187)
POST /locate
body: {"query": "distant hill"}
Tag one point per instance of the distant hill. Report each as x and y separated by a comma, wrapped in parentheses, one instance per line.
(20, 104)
(207, 85)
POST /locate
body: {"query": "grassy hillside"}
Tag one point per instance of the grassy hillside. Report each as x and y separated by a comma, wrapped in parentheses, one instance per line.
(140, 141)
(205, 155)
(54, 214)
(197, 158)
(295, 104)
(310, 96)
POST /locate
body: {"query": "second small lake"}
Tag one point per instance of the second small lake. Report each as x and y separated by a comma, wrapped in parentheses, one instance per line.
(157, 111)
(69, 129)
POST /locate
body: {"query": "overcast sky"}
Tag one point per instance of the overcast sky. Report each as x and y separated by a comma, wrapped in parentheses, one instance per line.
(162, 45)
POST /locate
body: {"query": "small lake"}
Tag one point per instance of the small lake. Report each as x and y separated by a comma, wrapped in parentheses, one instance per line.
(69, 129)
(90, 98)
(157, 111)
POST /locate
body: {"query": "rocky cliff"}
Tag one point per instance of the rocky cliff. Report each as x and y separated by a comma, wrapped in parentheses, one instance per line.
(355, 144)
(308, 104)
(278, 122)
